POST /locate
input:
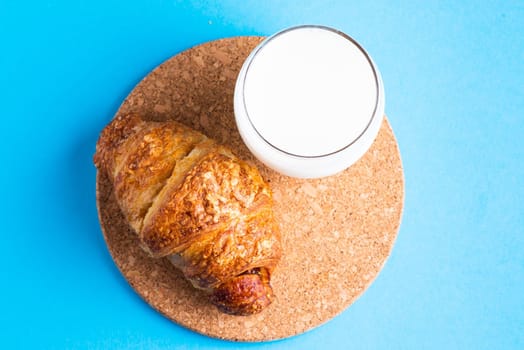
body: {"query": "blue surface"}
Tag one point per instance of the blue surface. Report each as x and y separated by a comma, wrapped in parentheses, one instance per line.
(453, 73)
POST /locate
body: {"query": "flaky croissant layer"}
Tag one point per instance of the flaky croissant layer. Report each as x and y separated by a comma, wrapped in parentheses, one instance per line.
(194, 202)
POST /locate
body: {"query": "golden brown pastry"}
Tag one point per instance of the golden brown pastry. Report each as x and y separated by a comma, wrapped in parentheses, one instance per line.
(192, 201)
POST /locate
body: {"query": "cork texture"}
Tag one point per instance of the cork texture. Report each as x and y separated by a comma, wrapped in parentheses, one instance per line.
(337, 232)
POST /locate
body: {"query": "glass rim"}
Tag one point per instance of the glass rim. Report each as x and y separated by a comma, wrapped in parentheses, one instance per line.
(267, 40)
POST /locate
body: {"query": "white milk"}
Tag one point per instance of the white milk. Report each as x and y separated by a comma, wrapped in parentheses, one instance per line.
(309, 101)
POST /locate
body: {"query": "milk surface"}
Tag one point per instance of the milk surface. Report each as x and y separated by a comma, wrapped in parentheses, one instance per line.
(310, 92)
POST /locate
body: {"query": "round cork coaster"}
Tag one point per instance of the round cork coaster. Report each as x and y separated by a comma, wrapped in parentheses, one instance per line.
(336, 231)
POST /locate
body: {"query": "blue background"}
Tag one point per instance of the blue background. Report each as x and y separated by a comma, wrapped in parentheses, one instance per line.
(453, 73)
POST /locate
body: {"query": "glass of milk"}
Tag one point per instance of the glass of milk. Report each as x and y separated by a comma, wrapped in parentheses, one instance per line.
(309, 101)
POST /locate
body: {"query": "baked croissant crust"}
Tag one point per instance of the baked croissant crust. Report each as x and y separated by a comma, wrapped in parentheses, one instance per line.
(194, 202)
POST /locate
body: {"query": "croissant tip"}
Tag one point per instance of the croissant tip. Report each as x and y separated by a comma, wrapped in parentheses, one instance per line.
(244, 295)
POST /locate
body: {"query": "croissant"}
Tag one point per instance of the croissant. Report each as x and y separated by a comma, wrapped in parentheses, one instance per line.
(194, 202)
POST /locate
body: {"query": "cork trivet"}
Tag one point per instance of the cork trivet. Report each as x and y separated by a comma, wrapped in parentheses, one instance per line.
(336, 231)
